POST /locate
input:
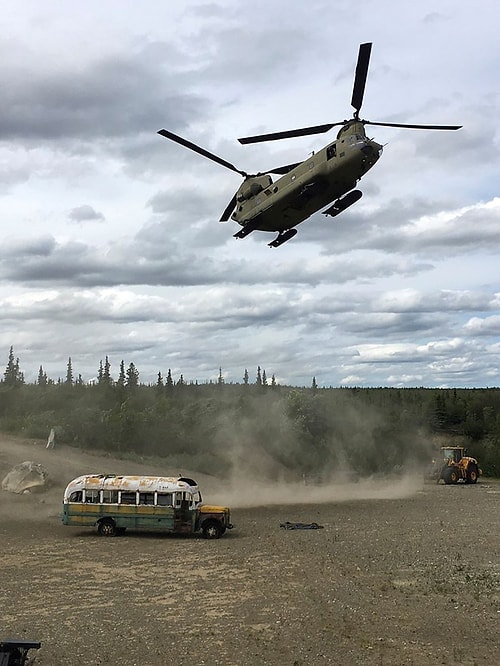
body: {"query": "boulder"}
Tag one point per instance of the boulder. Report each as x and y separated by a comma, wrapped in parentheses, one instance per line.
(25, 477)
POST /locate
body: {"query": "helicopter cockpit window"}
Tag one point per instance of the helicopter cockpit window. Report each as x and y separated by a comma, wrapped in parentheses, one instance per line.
(331, 151)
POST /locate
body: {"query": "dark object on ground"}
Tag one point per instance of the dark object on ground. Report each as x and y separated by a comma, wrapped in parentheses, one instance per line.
(15, 652)
(301, 526)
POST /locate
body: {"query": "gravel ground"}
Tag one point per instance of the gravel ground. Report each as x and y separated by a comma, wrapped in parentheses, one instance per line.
(406, 577)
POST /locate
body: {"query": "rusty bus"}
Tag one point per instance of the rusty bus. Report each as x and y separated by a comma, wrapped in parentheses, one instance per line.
(114, 503)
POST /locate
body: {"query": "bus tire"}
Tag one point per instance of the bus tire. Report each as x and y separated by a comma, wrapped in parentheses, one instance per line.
(107, 527)
(212, 530)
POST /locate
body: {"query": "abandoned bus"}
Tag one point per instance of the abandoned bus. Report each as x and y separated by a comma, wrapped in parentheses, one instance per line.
(114, 503)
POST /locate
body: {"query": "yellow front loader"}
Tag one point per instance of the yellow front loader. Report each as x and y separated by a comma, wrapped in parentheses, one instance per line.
(453, 466)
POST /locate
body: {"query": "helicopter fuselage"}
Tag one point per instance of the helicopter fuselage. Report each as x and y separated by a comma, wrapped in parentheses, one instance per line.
(325, 176)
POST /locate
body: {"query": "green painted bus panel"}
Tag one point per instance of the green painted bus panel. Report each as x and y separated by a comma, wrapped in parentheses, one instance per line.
(141, 517)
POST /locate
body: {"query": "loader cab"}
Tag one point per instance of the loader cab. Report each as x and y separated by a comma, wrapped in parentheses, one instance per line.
(452, 454)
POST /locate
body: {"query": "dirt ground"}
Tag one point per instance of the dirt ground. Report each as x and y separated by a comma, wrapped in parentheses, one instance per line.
(402, 573)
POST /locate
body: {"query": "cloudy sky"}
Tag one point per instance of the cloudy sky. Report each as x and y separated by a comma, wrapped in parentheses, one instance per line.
(110, 240)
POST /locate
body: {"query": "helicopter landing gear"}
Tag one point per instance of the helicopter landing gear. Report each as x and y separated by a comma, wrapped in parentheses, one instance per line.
(245, 231)
(282, 237)
(343, 203)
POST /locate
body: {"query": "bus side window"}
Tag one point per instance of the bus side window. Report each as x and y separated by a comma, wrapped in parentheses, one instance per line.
(127, 497)
(110, 496)
(76, 496)
(147, 498)
(92, 496)
(164, 499)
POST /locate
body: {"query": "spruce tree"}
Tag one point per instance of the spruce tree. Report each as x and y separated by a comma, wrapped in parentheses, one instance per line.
(169, 384)
(121, 376)
(69, 373)
(132, 376)
(13, 375)
(42, 377)
(19, 374)
(9, 376)
(106, 375)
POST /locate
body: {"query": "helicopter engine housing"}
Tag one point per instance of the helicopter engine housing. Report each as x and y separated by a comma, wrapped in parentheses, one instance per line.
(253, 186)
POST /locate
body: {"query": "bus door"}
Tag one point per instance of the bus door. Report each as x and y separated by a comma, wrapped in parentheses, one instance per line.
(184, 516)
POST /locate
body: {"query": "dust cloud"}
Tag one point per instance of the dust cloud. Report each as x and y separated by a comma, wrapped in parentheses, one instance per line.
(270, 464)
(245, 492)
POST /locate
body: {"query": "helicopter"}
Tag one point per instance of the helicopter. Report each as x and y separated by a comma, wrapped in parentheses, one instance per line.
(326, 179)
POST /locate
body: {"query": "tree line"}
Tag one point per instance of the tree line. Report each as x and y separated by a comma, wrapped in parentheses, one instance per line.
(279, 431)
(13, 376)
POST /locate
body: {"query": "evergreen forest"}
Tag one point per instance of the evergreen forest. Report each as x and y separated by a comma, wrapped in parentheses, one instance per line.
(277, 431)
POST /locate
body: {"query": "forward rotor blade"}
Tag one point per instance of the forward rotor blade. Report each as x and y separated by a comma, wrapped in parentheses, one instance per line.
(289, 134)
(358, 89)
(407, 126)
(199, 150)
(229, 209)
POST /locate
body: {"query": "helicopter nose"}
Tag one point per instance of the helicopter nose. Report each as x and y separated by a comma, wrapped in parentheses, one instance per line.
(371, 153)
(372, 150)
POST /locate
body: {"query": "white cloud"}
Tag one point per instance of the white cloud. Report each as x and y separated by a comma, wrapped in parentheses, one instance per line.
(85, 213)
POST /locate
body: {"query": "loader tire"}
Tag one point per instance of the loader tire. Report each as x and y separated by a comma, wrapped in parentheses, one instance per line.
(450, 476)
(471, 474)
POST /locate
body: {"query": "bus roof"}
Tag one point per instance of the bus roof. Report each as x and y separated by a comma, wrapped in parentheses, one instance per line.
(131, 483)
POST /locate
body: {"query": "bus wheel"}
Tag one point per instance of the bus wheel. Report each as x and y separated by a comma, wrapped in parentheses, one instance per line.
(212, 530)
(107, 528)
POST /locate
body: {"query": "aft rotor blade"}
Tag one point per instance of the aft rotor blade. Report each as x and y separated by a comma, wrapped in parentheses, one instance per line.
(284, 169)
(229, 209)
(358, 89)
(199, 150)
(407, 126)
(289, 134)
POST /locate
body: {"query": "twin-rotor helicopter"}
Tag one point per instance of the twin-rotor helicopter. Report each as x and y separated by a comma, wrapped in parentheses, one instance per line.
(327, 179)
